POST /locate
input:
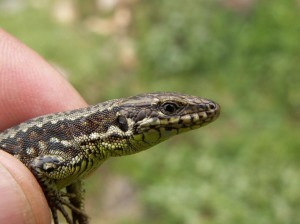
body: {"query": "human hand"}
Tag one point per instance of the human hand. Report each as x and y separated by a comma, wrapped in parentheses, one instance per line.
(29, 87)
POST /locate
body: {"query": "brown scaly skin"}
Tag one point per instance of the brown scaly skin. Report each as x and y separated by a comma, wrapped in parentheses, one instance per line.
(61, 149)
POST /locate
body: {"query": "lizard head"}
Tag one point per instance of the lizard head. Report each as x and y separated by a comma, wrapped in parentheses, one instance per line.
(148, 119)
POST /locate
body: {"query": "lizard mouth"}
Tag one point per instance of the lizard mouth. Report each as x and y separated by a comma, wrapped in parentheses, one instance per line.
(193, 119)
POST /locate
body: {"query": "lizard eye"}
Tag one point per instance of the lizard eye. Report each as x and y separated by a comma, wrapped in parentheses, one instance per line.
(169, 108)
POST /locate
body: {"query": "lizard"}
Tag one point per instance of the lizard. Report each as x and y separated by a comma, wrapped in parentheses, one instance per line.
(61, 149)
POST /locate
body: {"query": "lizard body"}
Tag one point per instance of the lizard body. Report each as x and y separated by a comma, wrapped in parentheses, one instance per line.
(61, 149)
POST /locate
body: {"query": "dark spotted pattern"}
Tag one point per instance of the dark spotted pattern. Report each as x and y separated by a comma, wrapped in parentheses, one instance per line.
(60, 149)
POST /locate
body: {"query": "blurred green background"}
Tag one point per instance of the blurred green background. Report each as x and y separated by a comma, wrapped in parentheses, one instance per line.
(244, 54)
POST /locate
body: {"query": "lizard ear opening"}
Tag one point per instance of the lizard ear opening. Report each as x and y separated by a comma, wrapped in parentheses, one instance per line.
(122, 123)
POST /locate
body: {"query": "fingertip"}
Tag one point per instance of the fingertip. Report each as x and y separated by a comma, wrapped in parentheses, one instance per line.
(22, 199)
(29, 86)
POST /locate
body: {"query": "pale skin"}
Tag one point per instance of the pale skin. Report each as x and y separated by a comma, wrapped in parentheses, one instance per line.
(29, 87)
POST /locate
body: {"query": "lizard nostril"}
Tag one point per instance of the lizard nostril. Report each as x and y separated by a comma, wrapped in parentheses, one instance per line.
(212, 106)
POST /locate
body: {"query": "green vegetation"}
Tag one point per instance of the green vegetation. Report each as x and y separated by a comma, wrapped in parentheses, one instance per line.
(245, 167)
